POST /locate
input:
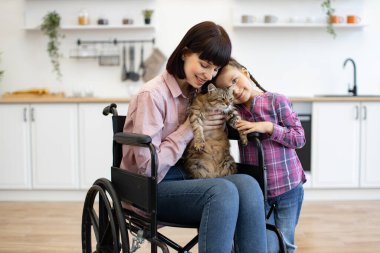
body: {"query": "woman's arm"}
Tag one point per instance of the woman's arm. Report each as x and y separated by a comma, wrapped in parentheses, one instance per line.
(169, 138)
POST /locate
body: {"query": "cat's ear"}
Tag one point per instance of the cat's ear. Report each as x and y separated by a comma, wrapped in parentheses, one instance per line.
(211, 87)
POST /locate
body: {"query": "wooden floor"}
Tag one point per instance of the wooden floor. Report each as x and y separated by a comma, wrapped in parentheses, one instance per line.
(336, 227)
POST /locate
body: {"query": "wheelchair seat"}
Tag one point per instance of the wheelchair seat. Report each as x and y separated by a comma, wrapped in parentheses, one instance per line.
(112, 226)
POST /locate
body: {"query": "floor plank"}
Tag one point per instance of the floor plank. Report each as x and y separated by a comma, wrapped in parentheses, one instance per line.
(54, 227)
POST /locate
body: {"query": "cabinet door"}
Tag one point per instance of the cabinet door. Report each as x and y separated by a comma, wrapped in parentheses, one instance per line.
(370, 158)
(54, 132)
(15, 170)
(335, 150)
(96, 134)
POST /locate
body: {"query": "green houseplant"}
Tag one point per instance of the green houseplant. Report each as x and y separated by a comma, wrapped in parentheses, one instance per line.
(326, 5)
(51, 27)
(147, 13)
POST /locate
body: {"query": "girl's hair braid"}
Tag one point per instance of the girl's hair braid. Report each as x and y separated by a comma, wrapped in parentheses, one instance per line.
(236, 64)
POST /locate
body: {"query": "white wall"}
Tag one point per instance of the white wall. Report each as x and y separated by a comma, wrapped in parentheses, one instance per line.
(293, 61)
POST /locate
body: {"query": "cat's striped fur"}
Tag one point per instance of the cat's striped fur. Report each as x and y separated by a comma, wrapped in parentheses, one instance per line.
(208, 154)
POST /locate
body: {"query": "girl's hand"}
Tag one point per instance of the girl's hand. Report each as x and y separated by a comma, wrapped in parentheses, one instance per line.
(213, 120)
(250, 127)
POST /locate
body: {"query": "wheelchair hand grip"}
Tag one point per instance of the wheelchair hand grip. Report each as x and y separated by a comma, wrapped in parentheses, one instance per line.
(110, 109)
(133, 139)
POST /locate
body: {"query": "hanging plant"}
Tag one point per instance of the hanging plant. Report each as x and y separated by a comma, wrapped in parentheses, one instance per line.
(326, 5)
(51, 27)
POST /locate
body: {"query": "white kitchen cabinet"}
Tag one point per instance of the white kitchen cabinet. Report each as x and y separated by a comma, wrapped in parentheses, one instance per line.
(370, 158)
(345, 136)
(96, 134)
(54, 134)
(15, 167)
(41, 150)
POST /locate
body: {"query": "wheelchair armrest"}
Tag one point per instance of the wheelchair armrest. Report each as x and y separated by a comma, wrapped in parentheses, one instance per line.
(132, 139)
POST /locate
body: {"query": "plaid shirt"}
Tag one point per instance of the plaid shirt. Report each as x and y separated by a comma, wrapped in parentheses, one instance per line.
(284, 169)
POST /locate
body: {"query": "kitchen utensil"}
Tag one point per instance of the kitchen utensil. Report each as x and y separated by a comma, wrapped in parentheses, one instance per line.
(132, 74)
(124, 71)
(142, 66)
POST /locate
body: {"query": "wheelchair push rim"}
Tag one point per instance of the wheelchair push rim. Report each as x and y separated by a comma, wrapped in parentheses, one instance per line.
(101, 231)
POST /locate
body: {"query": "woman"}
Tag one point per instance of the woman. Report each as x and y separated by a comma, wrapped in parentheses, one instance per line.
(222, 206)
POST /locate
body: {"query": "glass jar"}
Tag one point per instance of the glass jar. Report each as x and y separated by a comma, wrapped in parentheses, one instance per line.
(83, 18)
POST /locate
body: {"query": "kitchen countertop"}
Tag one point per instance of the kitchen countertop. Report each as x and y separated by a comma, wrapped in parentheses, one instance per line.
(49, 99)
(42, 99)
(331, 98)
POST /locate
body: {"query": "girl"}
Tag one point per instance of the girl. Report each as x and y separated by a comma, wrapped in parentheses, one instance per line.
(222, 206)
(270, 114)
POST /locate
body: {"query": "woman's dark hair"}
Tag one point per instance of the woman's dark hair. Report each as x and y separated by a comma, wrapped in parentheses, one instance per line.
(234, 63)
(209, 40)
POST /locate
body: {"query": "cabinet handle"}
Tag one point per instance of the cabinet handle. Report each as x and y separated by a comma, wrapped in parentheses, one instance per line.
(32, 114)
(25, 117)
(364, 112)
(356, 112)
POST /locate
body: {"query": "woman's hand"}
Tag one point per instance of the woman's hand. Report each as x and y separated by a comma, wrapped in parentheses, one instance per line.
(249, 127)
(213, 120)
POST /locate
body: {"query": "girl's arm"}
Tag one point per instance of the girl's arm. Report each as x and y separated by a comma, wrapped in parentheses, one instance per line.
(288, 131)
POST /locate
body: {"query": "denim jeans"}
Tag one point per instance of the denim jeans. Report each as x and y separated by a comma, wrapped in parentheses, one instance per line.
(285, 216)
(222, 207)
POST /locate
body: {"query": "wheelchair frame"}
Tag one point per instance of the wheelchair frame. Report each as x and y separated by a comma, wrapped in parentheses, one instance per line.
(111, 224)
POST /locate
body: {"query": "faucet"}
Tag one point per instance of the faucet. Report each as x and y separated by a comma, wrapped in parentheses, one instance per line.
(354, 89)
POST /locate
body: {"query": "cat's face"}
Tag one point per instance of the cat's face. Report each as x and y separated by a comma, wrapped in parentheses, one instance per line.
(220, 98)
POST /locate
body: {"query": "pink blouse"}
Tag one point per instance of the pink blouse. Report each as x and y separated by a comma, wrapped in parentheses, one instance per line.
(158, 110)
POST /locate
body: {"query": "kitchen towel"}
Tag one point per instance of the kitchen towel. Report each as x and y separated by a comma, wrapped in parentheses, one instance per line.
(153, 64)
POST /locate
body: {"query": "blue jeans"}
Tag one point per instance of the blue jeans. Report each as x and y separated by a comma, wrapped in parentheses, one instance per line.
(285, 216)
(222, 206)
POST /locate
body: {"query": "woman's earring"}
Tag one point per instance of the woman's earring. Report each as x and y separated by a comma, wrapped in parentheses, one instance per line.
(183, 58)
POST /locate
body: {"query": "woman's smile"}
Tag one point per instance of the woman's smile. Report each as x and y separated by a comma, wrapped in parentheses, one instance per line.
(200, 80)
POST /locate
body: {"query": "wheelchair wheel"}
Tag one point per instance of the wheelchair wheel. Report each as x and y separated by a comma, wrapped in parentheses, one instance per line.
(103, 224)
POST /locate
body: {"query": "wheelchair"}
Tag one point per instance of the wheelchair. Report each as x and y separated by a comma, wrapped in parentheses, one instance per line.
(107, 227)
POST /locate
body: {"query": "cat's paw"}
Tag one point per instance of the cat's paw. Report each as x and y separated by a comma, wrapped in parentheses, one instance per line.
(199, 145)
(244, 140)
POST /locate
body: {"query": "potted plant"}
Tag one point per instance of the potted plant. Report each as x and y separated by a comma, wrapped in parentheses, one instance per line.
(51, 27)
(326, 5)
(147, 16)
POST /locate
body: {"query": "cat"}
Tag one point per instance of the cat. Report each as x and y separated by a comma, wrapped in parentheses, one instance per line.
(208, 154)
